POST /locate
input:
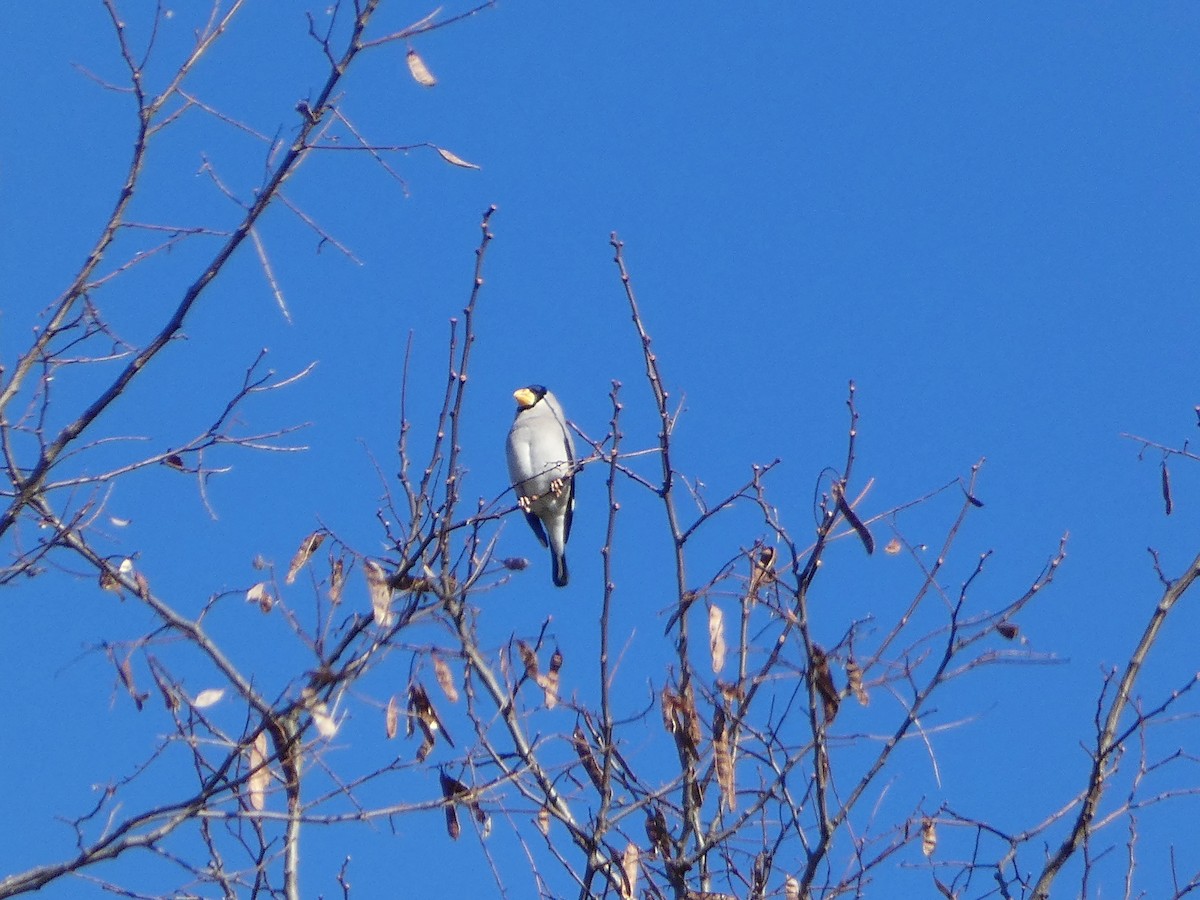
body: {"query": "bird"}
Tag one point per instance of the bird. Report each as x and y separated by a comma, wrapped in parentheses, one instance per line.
(541, 465)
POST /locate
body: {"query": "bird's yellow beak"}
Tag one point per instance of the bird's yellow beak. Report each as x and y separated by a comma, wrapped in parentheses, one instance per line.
(525, 398)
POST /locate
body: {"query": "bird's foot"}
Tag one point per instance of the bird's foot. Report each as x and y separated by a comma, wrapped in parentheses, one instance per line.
(524, 503)
(556, 486)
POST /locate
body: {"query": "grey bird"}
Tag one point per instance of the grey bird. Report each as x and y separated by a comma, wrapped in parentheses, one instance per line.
(541, 464)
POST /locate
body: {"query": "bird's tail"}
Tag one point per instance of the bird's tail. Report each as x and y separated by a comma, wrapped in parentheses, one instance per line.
(559, 559)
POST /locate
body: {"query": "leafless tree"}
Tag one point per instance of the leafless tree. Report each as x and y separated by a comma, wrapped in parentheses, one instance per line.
(762, 761)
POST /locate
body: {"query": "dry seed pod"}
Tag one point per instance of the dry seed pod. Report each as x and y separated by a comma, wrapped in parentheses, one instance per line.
(1007, 630)
(303, 554)
(657, 833)
(723, 759)
(391, 718)
(630, 866)
(528, 659)
(928, 836)
(854, 676)
(381, 593)
(454, 159)
(445, 680)
(864, 533)
(584, 751)
(337, 579)
(762, 570)
(416, 67)
(1166, 488)
(260, 775)
(716, 637)
(822, 680)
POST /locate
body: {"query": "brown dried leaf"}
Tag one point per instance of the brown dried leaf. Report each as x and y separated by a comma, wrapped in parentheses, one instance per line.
(723, 759)
(629, 866)
(854, 676)
(143, 586)
(174, 460)
(337, 580)
(260, 774)
(1007, 630)
(928, 836)
(893, 546)
(791, 888)
(421, 75)
(549, 685)
(169, 693)
(543, 821)
(304, 553)
(455, 160)
(391, 719)
(445, 679)
(691, 719)
(584, 751)
(716, 637)
(381, 593)
(822, 679)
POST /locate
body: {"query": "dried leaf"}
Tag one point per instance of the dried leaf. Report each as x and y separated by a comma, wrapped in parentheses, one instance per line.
(944, 890)
(791, 888)
(337, 580)
(421, 75)
(1166, 488)
(864, 533)
(543, 821)
(584, 751)
(893, 546)
(854, 676)
(723, 759)
(261, 595)
(630, 866)
(208, 697)
(381, 593)
(391, 718)
(169, 693)
(691, 719)
(110, 582)
(143, 586)
(174, 460)
(455, 160)
(445, 679)
(716, 637)
(1007, 630)
(304, 553)
(120, 523)
(822, 680)
(670, 705)
(928, 836)
(260, 774)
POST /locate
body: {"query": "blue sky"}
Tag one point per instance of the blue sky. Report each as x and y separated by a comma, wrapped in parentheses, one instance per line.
(985, 215)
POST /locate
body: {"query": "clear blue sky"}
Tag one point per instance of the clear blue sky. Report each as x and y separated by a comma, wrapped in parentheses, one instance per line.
(986, 215)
